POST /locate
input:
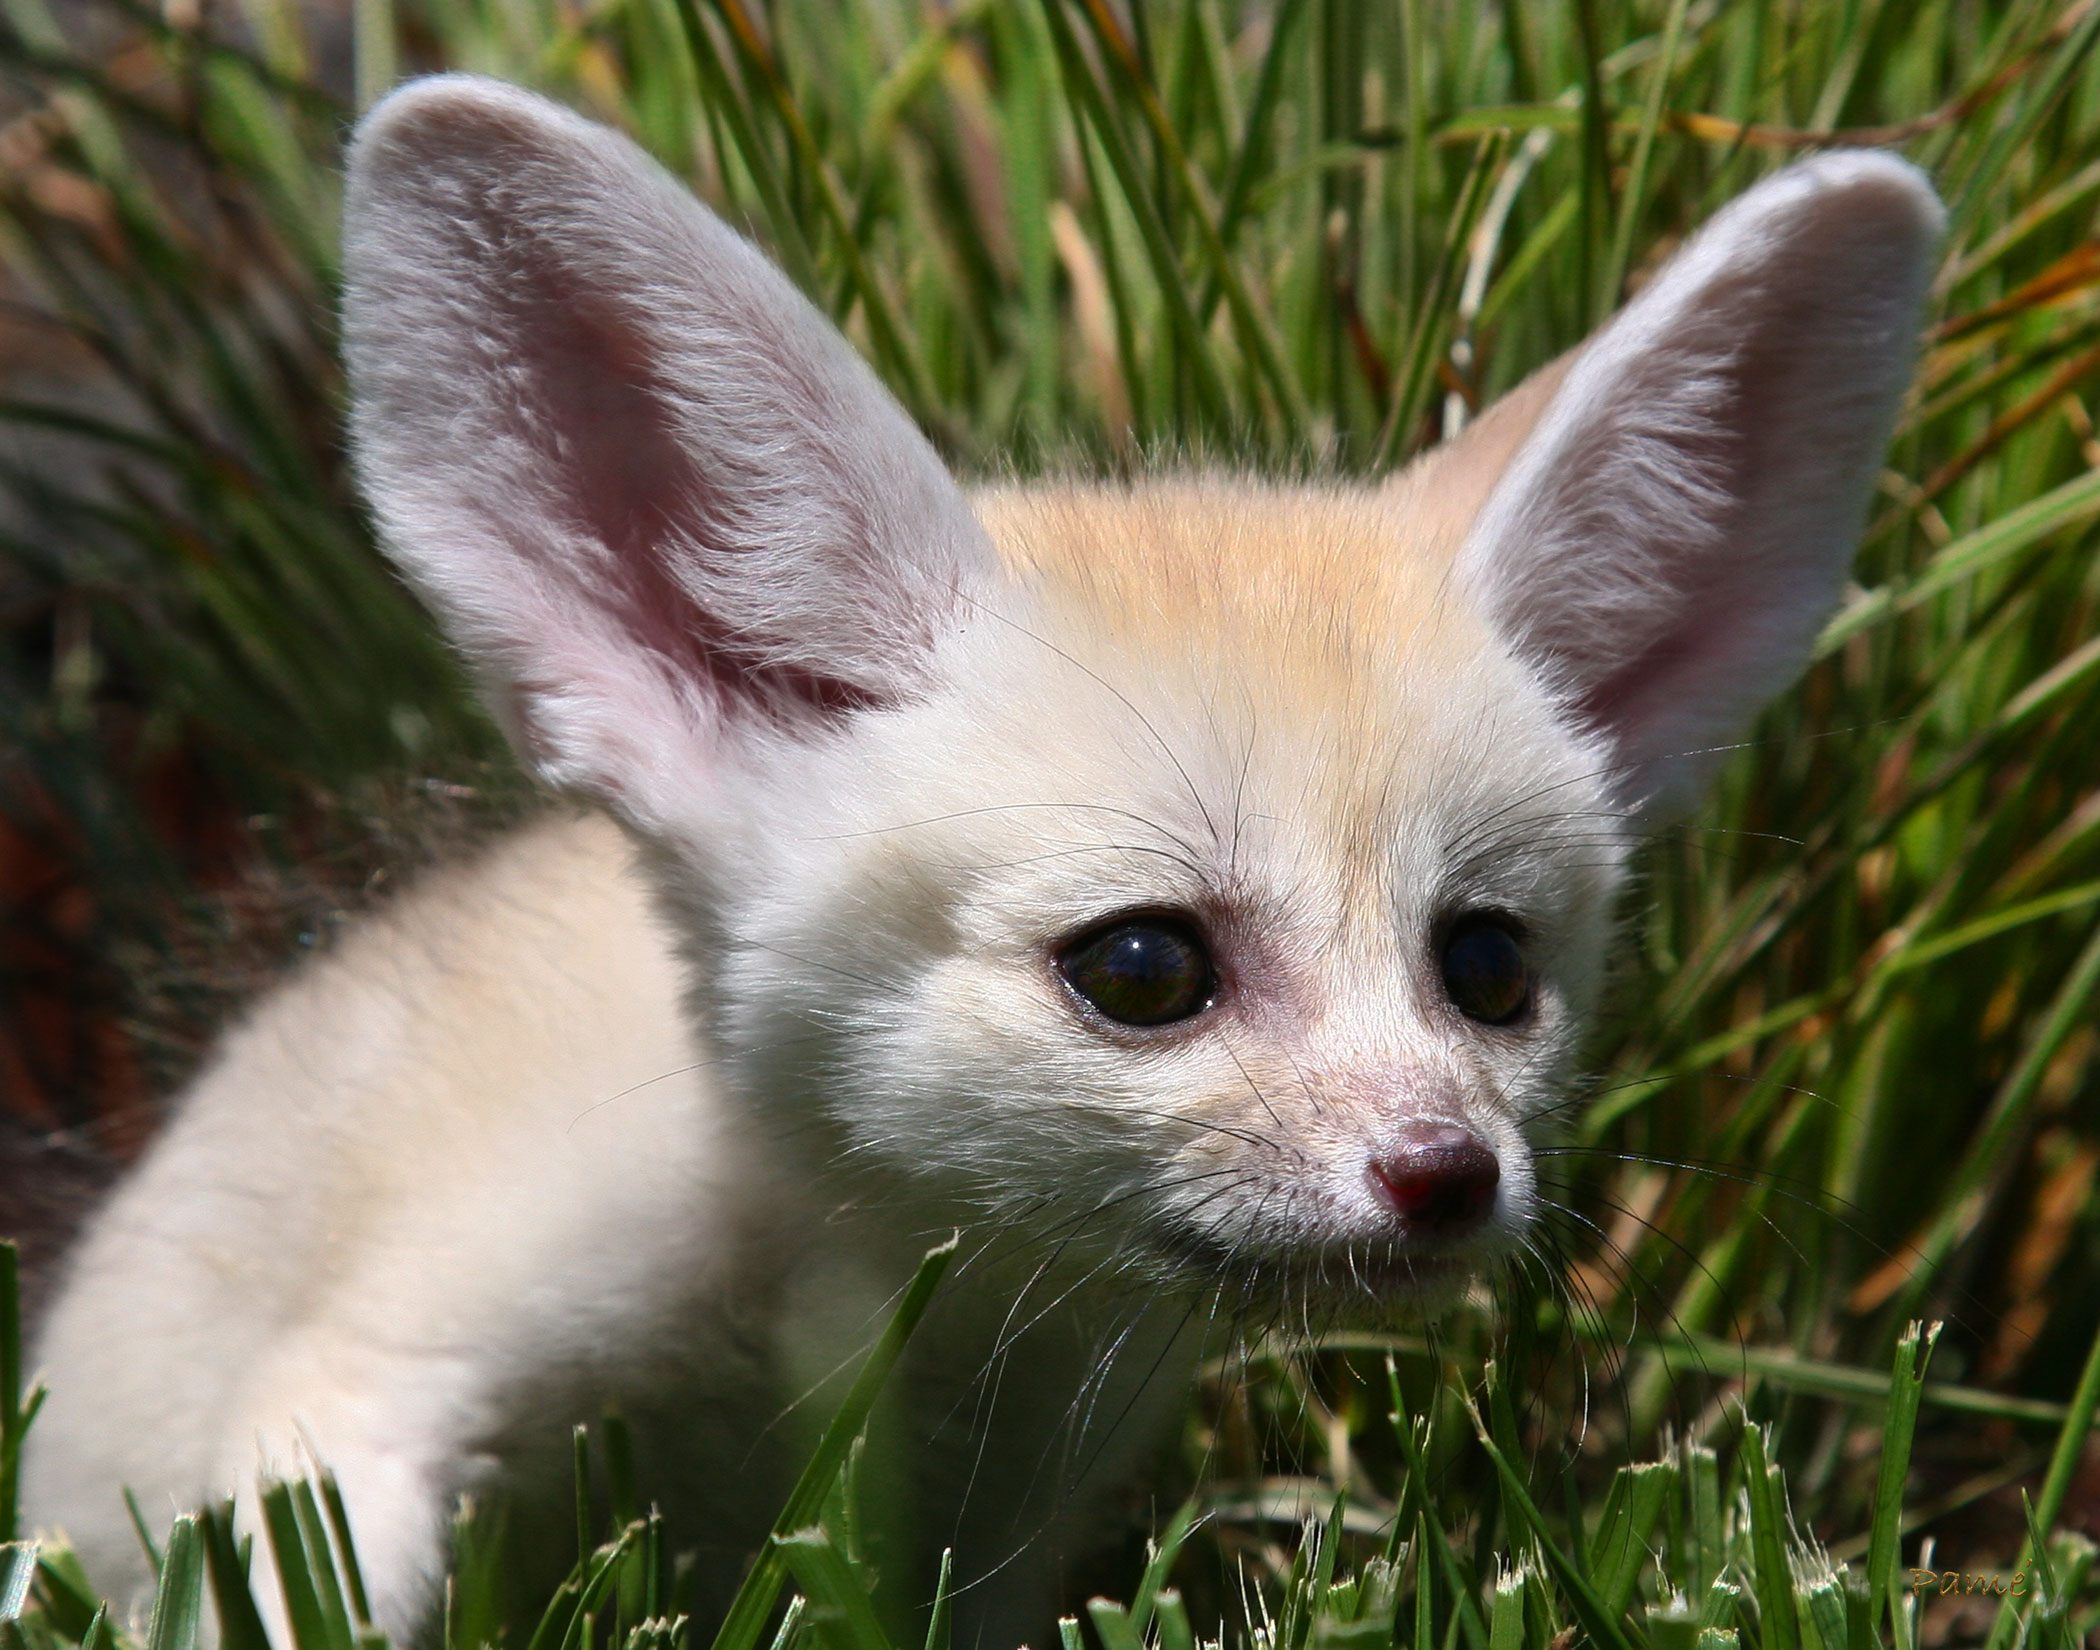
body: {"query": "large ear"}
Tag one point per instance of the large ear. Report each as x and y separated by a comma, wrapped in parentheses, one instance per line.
(1673, 531)
(654, 496)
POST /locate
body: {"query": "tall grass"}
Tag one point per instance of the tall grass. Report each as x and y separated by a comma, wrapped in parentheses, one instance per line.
(1852, 1081)
(1699, 1547)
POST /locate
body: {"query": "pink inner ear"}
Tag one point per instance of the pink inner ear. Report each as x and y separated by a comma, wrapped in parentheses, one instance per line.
(603, 429)
(1690, 620)
(1667, 543)
(657, 499)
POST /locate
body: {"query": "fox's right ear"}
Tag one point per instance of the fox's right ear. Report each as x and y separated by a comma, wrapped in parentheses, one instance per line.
(652, 493)
(1678, 500)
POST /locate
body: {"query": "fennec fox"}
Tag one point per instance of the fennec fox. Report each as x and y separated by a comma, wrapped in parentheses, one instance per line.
(1195, 888)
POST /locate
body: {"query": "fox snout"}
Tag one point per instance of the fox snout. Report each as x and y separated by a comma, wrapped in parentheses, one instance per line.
(1439, 1179)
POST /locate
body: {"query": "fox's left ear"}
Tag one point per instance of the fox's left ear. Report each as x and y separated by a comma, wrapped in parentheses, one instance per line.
(659, 503)
(1673, 531)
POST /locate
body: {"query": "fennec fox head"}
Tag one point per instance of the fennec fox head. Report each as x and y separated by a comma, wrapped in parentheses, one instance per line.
(1228, 860)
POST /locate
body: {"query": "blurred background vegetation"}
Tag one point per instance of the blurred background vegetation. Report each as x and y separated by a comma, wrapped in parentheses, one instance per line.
(1855, 1074)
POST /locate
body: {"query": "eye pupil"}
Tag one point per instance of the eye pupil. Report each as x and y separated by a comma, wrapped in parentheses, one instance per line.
(1147, 972)
(1484, 971)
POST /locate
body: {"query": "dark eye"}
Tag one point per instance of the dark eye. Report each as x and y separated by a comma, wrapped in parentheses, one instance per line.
(1484, 970)
(1141, 971)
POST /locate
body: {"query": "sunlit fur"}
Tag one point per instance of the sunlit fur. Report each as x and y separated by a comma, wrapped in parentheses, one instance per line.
(657, 1113)
(1212, 696)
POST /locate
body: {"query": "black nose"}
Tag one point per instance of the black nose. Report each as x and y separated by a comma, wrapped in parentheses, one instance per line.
(1438, 1177)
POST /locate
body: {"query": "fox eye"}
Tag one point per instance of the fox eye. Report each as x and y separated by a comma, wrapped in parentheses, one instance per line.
(1484, 969)
(1141, 971)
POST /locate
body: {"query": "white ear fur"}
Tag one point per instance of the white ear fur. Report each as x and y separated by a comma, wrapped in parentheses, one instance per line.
(654, 496)
(1669, 538)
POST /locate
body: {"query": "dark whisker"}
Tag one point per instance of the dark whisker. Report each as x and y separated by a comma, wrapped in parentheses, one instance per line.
(1121, 698)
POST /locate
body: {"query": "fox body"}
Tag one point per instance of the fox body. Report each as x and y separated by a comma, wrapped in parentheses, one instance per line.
(1193, 889)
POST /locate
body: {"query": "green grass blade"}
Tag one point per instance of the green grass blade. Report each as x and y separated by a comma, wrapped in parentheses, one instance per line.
(17, 1571)
(1906, 1386)
(178, 1599)
(840, 1610)
(1113, 1626)
(16, 1411)
(1633, 198)
(297, 1581)
(1603, 1627)
(240, 1622)
(1772, 1582)
(754, 1601)
(1506, 1614)
(1466, 1608)
(2009, 535)
(782, 225)
(1091, 100)
(940, 1620)
(2064, 1463)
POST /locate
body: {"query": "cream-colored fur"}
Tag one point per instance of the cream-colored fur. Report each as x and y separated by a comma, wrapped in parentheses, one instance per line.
(656, 1113)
